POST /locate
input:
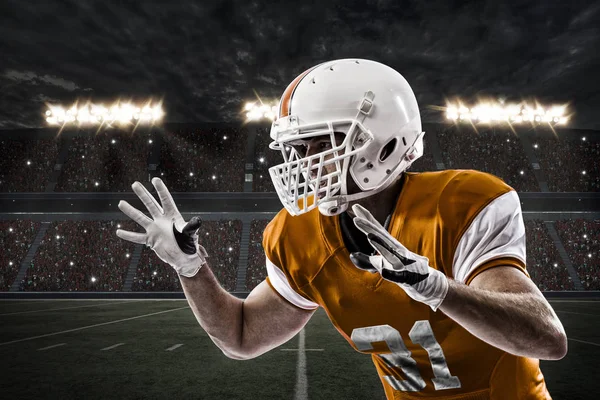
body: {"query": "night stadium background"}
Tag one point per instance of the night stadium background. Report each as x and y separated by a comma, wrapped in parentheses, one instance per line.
(84, 314)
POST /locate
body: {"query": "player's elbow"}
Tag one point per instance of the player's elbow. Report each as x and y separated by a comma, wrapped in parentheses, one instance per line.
(238, 354)
(560, 347)
(555, 349)
(234, 356)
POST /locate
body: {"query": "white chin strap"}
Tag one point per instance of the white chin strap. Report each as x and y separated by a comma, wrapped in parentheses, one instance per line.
(333, 207)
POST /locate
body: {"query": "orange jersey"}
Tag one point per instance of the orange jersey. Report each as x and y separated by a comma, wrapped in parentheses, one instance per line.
(465, 222)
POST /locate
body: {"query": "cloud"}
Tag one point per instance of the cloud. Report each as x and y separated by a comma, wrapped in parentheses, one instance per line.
(29, 77)
(205, 59)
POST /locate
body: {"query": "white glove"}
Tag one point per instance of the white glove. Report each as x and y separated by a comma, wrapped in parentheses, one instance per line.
(173, 241)
(397, 264)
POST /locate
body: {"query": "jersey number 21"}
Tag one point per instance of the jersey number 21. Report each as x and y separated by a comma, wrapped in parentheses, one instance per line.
(421, 334)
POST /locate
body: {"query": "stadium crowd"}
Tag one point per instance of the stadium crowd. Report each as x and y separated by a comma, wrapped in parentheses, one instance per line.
(496, 151)
(16, 237)
(26, 165)
(87, 255)
(107, 162)
(256, 270)
(264, 158)
(215, 159)
(543, 261)
(571, 164)
(207, 160)
(581, 238)
(221, 239)
(80, 256)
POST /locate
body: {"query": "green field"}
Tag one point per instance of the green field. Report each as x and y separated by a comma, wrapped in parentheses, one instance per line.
(143, 367)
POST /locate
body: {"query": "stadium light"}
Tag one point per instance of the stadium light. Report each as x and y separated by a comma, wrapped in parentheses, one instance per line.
(95, 114)
(488, 112)
(260, 111)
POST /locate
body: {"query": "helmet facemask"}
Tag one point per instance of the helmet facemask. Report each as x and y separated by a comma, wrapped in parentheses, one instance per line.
(302, 182)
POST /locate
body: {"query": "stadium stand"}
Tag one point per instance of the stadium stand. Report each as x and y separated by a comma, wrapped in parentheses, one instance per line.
(495, 151)
(106, 162)
(571, 164)
(264, 158)
(256, 271)
(214, 160)
(15, 239)
(26, 164)
(80, 256)
(581, 241)
(86, 255)
(543, 261)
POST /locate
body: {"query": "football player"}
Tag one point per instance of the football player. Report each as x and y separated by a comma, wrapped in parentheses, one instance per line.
(425, 272)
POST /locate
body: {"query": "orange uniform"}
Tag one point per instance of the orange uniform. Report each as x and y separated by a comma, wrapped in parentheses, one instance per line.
(465, 222)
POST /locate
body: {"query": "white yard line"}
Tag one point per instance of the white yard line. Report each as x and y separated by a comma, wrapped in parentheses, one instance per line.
(578, 313)
(112, 347)
(573, 301)
(301, 350)
(301, 392)
(91, 326)
(583, 341)
(51, 347)
(174, 347)
(62, 308)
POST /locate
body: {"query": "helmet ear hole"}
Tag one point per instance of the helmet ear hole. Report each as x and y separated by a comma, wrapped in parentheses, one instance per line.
(387, 150)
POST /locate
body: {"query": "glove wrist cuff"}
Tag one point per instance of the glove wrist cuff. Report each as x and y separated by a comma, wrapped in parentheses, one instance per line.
(191, 270)
(439, 289)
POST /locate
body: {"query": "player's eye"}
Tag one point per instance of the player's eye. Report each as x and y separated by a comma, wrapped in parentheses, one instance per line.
(300, 149)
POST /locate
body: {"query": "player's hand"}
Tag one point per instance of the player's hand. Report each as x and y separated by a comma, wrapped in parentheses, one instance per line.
(173, 241)
(397, 264)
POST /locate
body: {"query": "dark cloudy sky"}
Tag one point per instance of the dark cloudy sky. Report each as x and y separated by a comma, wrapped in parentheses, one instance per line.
(205, 58)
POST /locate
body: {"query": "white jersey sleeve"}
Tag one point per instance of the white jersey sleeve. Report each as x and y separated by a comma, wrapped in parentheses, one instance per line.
(281, 284)
(497, 231)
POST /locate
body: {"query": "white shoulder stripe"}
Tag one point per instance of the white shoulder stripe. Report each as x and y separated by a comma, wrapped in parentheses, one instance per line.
(497, 231)
(281, 284)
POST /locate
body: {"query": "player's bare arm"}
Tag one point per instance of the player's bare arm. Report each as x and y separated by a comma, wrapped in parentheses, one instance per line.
(242, 329)
(504, 308)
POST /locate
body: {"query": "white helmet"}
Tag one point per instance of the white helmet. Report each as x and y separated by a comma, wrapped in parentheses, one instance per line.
(372, 105)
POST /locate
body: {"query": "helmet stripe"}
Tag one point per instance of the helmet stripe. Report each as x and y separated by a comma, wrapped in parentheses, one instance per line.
(285, 105)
